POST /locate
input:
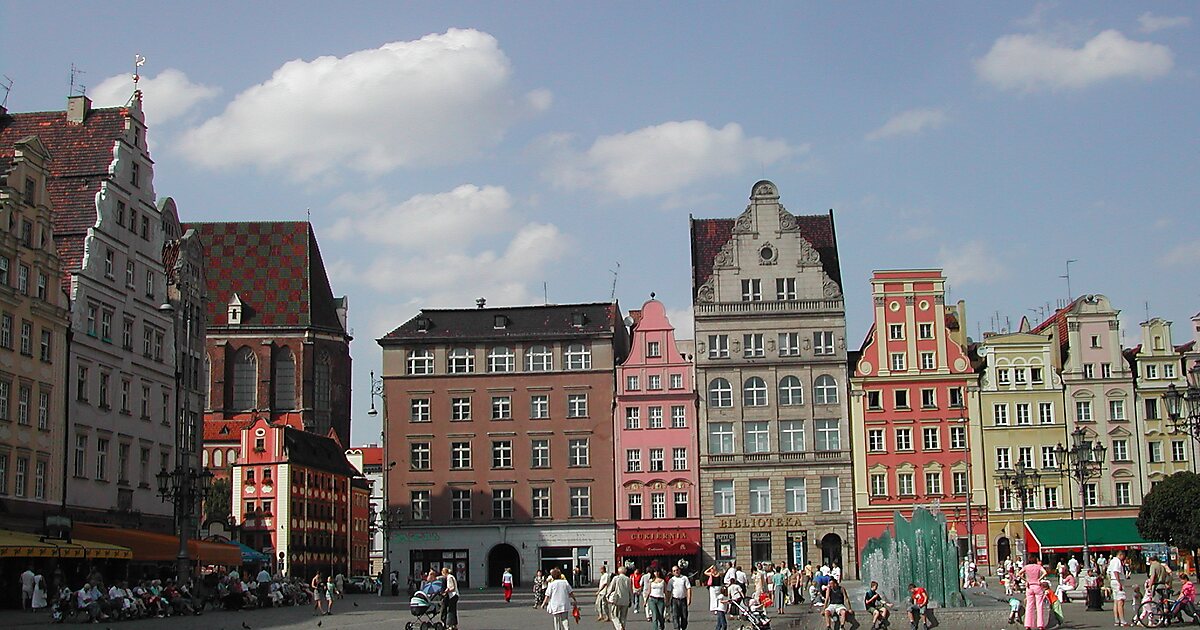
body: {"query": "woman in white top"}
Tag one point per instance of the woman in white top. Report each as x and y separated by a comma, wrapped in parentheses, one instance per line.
(656, 600)
(38, 601)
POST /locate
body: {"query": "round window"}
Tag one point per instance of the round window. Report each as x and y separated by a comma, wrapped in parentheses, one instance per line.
(766, 253)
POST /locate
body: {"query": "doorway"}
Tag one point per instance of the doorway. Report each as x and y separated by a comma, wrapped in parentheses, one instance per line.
(831, 550)
(501, 557)
(1003, 549)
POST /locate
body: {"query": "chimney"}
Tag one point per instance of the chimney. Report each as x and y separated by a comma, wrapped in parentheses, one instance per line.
(78, 107)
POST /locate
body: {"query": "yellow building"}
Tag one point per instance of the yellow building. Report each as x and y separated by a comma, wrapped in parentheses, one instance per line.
(1157, 364)
(1023, 422)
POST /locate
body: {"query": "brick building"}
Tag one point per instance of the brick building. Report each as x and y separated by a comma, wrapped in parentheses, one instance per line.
(501, 424)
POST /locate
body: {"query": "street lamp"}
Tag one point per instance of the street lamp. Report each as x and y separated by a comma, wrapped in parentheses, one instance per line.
(386, 524)
(186, 488)
(1084, 460)
(1023, 480)
(967, 458)
(1183, 406)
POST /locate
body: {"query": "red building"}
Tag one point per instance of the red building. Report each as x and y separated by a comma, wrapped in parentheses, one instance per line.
(298, 499)
(277, 344)
(914, 400)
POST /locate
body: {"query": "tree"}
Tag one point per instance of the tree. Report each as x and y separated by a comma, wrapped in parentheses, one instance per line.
(219, 502)
(1171, 512)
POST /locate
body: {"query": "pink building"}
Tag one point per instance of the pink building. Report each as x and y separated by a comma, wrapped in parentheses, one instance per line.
(658, 510)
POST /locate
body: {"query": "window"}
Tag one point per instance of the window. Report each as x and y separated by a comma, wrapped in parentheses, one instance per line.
(502, 454)
(927, 361)
(831, 500)
(825, 390)
(45, 348)
(1151, 408)
(1049, 457)
(1155, 452)
(1050, 498)
(933, 483)
(652, 349)
(718, 346)
(875, 441)
(81, 385)
(1035, 375)
(633, 418)
(878, 485)
(931, 439)
(1019, 376)
(898, 362)
(81, 445)
(751, 290)
(925, 331)
(135, 171)
(720, 438)
(419, 410)
(959, 480)
(133, 221)
(460, 455)
(958, 437)
(756, 437)
(1123, 488)
(789, 344)
(145, 402)
(928, 399)
(785, 288)
(149, 282)
(462, 361)
(754, 392)
(723, 504)
(676, 381)
(23, 405)
(578, 456)
(681, 505)
(791, 391)
(656, 417)
(631, 383)
(541, 503)
(460, 504)
(895, 331)
(678, 417)
(502, 504)
(1178, 452)
(419, 456)
(123, 463)
(578, 357)
(791, 436)
(720, 393)
(245, 380)
(679, 458)
(633, 460)
(127, 334)
(581, 502)
(1116, 410)
(1105, 370)
(635, 506)
(539, 406)
(19, 481)
(101, 459)
(1025, 456)
(1095, 341)
(1083, 410)
(4, 270)
(501, 359)
(1024, 418)
(1091, 495)
(828, 434)
(1000, 414)
(460, 409)
(823, 342)
(108, 262)
(420, 362)
(130, 273)
(1089, 370)
(23, 279)
(904, 439)
(1045, 413)
(577, 406)
(874, 400)
(657, 463)
(1120, 450)
(39, 480)
(5, 390)
(539, 359)
(1003, 458)
(905, 484)
(43, 410)
(501, 408)
(1003, 376)
(41, 286)
(6, 326)
(27, 338)
(760, 496)
(654, 382)
(540, 449)
(1168, 370)
(752, 346)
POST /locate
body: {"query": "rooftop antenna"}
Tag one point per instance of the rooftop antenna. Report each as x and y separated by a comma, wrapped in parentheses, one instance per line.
(75, 72)
(545, 293)
(1070, 298)
(138, 62)
(308, 214)
(1147, 310)
(7, 88)
(615, 272)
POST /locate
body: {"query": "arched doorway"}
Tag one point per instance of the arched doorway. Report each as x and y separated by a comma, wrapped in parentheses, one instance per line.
(1003, 549)
(831, 550)
(503, 556)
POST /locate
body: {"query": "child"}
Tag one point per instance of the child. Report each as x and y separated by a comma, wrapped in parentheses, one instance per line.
(720, 608)
(1014, 611)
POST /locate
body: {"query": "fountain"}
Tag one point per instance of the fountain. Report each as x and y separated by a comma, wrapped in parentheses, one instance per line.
(918, 551)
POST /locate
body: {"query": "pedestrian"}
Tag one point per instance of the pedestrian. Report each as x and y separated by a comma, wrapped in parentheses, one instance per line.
(602, 594)
(656, 600)
(1116, 582)
(1073, 567)
(637, 590)
(560, 600)
(1035, 596)
(836, 572)
(330, 593)
(539, 588)
(779, 588)
(620, 596)
(339, 584)
(319, 595)
(681, 597)
(506, 581)
(450, 600)
(27, 587)
(38, 601)
(719, 605)
(795, 580)
(712, 580)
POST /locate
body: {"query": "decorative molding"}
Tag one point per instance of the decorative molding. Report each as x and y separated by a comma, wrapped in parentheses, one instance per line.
(745, 221)
(832, 289)
(706, 293)
(787, 221)
(807, 256)
(727, 256)
(766, 257)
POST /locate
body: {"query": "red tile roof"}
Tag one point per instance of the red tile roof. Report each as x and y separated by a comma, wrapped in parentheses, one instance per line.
(1059, 320)
(275, 268)
(371, 455)
(224, 430)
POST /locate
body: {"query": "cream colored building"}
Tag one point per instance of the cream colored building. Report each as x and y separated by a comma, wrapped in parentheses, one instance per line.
(1158, 364)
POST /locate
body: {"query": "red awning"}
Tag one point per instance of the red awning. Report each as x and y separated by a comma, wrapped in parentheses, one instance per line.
(155, 547)
(656, 542)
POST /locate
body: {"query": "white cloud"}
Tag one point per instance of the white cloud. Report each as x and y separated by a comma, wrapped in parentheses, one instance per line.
(662, 159)
(437, 100)
(1182, 255)
(1031, 62)
(427, 220)
(912, 234)
(971, 263)
(910, 122)
(1149, 23)
(169, 95)
(683, 321)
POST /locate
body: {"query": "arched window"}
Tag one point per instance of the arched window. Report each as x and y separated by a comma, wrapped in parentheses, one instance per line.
(754, 392)
(283, 384)
(420, 362)
(218, 458)
(207, 383)
(791, 391)
(578, 357)
(825, 390)
(231, 457)
(462, 361)
(539, 359)
(205, 459)
(720, 393)
(245, 380)
(500, 359)
(322, 388)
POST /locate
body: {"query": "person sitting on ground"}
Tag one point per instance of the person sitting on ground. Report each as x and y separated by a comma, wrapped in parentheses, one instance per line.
(836, 603)
(919, 602)
(877, 605)
(1187, 597)
(88, 600)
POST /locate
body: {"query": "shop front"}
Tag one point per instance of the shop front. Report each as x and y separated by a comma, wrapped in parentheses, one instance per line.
(650, 549)
(1059, 539)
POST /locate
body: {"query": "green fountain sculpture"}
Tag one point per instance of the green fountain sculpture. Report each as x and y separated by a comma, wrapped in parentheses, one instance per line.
(917, 551)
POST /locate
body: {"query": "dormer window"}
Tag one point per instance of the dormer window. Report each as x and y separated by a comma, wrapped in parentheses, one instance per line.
(235, 310)
(578, 319)
(423, 324)
(30, 188)
(500, 322)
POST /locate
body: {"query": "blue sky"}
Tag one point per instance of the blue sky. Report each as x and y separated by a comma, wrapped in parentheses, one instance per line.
(452, 151)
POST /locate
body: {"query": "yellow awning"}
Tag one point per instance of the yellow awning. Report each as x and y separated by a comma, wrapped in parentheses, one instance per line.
(24, 545)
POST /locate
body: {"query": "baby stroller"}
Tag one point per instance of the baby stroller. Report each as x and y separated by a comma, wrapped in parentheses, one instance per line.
(753, 614)
(425, 607)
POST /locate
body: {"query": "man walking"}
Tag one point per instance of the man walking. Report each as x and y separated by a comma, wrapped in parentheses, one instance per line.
(27, 588)
(681, 597)
(560, 600)
(620, 596)
(602, 594)
(1116, 578)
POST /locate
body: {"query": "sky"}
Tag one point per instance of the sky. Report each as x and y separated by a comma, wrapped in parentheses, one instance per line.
(525, 151)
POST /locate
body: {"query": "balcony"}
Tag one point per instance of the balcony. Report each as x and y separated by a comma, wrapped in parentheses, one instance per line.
(787, 457)
(770, 306)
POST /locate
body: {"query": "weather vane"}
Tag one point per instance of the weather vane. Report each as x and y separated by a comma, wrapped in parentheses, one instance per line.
(138, 62)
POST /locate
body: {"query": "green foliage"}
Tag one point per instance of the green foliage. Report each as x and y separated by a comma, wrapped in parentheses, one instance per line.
(1171, 512)
(219, 502)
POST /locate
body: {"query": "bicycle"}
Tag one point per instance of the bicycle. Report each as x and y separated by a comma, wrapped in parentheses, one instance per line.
(1162, 611)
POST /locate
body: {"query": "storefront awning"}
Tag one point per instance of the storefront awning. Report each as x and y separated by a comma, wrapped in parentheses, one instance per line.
(23, 545)
(155, 547)
(1103, 534)
(250, 555)
(658, 542)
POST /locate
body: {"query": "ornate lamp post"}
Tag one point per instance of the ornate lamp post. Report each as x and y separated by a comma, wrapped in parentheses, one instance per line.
(1183, 406)
(966, 423)
(187, 488)
(1022, 480)
(386, 523)
(1082, 461)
